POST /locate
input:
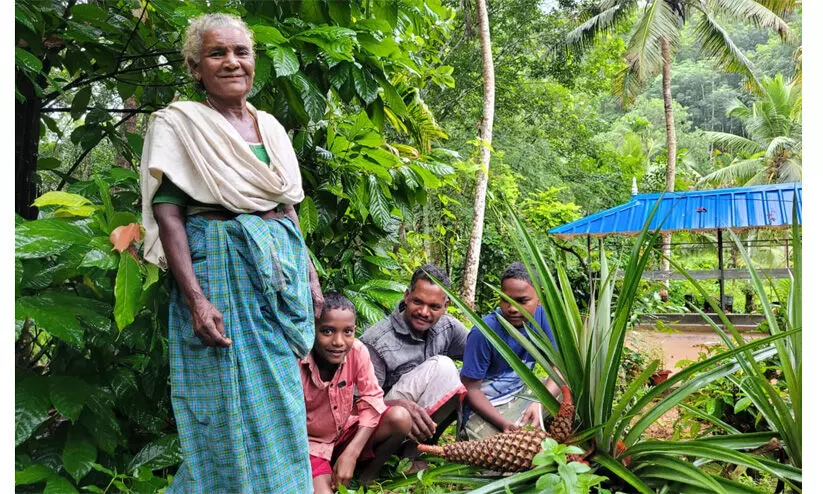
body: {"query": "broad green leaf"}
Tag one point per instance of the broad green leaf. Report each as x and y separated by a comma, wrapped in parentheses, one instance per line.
(378, 205)
(365, 85)
(79, 454)
(61, 313)
(267, 35)
(27, 60)
(383, 48)
(100, 254)
(387, 285)
(338, 42)
(135, 142)
(59, 485)
(313, 101)
(122, 383)
(31, 406)
(312, 11)
(88, 12)
(382, 262)
(262, 75)
(742, 404)
(308, 216)
(365, 309)
(99, 420)
(160, 453)
(127, 290)
(386, 10)
(32, 474)
(47, 237)
(48, 164)
(152, 276)
(60, 198)
(25, 17)
(80, 103)
(69, 395)
(391, 97)
(284, 60)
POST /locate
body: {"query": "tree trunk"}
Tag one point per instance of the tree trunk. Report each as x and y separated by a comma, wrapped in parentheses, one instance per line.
(129, 127)
(26, 142)
(671, 139)
(472, 262)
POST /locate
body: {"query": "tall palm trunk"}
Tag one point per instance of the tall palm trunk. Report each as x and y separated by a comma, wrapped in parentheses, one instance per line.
(671, 139)
(472, 262)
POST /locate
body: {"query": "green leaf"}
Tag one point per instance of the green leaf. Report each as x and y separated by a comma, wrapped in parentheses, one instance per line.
(267, 35)
(338, 42)
(742, 404)
(100, 254)
(135, 142)
(60, 198)
(284, 60)
(160, 453)
(59, 485)
(47, 237)
(79, 454)
(308, 216)
(152, 276)
(69, 395)
(262, 75)
(27, 60)
(365, 85)
(382, 262)
(31, 406)
(383, 48)
(388, 285)
(61, 313)
(80, 103)
(340, 13)
(386, 10)
(127, 290)
(123, 383)
(313, 100)
(378, 205)
(391, 97)
(48, 164)
(32, 474)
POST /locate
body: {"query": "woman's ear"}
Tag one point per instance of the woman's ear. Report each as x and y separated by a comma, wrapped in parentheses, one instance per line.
(195, 69)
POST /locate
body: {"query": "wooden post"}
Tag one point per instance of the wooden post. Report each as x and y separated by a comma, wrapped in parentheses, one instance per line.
(721, 279)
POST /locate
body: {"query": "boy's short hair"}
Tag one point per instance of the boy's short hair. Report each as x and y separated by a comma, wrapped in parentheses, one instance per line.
(516, 270)
(429, 271)
(336, 300)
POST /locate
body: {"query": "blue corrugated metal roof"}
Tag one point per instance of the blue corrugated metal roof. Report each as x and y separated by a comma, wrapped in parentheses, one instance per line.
(760, 206)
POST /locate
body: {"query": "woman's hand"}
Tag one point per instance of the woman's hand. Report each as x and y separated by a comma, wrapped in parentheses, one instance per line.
(208, 323)
(316, 297)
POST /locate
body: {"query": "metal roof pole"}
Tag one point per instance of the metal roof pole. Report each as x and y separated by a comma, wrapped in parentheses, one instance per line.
(721, 279)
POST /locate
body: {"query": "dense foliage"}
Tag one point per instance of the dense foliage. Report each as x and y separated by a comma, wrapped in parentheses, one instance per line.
(382, 100)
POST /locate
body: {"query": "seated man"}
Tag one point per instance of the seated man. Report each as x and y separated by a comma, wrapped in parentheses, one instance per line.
(412, 351)
(492, 385)
(336, 365)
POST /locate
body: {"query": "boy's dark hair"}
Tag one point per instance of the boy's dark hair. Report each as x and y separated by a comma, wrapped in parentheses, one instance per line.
(428, 272)
(335, 300)
(516, 270)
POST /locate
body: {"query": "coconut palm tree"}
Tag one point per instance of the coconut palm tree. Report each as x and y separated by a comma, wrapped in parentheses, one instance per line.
(771, 150)
(656, 33)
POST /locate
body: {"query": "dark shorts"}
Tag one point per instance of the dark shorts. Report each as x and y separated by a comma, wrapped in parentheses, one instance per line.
(322, 466)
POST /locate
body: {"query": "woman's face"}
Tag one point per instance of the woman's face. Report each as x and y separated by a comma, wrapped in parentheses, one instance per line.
(226, 65)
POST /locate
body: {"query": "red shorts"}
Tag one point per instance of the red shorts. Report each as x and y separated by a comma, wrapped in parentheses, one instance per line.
(321, 466)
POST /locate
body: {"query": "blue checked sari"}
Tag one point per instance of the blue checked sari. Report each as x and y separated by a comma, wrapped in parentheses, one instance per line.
(239, 410)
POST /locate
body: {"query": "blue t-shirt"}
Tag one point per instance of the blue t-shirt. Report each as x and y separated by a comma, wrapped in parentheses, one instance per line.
(482, 361)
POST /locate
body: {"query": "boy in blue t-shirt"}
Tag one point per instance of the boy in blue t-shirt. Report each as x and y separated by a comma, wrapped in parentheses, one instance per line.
(494, 401)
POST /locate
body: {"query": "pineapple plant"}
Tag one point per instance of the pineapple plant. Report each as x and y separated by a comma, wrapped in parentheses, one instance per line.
(508, 451)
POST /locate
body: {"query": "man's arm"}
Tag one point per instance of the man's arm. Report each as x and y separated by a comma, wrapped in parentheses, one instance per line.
(481, 405)
(458, 335)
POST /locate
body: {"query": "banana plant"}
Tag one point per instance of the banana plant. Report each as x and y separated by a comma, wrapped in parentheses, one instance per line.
(587, 358)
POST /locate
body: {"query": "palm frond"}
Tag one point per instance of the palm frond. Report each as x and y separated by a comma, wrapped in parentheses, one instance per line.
(755, 13)
(733, 143)
(643, 57)
(716, 43)
(779, 144)
(735, 174)
(610, 14)
(780, 7)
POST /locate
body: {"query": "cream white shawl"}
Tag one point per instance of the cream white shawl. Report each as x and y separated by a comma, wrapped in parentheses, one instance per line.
(195, 147)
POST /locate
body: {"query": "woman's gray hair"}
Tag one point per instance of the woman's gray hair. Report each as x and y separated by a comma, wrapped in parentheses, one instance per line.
(194, 33)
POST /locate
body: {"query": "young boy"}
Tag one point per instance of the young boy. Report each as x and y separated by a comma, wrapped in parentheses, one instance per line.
(342, 432)
(492, 404)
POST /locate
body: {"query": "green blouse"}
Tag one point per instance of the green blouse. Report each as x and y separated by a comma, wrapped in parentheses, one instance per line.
(169, 193)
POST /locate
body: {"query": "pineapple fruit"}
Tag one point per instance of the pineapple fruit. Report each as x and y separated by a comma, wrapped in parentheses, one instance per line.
(508, 451)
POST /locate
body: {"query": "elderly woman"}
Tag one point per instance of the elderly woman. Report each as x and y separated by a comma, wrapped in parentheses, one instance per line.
(220, 180)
